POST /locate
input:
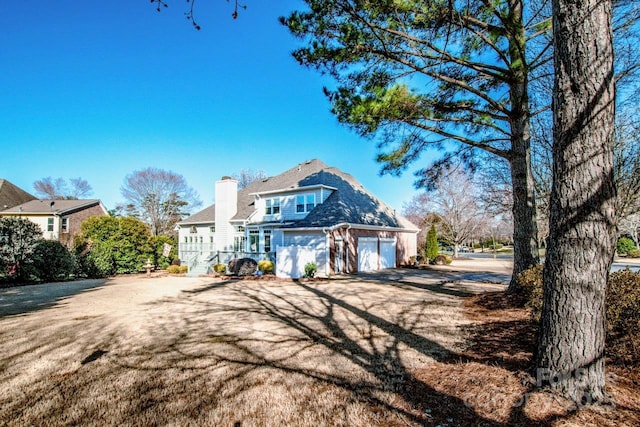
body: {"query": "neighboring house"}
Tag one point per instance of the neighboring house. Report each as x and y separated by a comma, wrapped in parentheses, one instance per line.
(12, 195)
(58, 219)
(311, 212)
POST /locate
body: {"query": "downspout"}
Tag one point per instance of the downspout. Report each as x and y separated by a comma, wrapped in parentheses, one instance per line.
(346, 267)
(327, 252)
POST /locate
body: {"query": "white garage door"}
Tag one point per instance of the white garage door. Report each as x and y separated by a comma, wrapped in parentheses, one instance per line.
(387, 253)
(367, 254)
(291, 260)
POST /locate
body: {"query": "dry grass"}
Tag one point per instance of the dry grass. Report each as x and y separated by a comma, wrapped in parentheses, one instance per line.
(408, 349)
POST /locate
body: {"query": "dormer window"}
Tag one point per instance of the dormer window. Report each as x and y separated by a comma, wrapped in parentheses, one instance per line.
(272, 206)
(305, 203)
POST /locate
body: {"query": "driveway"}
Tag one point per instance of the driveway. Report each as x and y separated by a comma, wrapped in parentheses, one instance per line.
(204, 351)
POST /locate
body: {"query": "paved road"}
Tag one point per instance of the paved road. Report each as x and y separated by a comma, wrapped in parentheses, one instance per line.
(618, 264)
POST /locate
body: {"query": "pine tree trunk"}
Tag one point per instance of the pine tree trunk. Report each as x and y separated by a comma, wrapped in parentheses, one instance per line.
(525, 229)
(570, 354)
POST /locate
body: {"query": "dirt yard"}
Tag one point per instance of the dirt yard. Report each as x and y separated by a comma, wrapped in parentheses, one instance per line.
(397, 348)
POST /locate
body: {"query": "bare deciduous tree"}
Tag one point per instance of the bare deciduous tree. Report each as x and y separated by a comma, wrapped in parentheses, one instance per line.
(455, 199)
(247, 176)
(158, 197)
(49, 188)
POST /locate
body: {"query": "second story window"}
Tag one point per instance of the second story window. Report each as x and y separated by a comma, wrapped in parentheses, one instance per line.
(272, 206)
(49, 224)
(305, 203)
(193, 229)
(212, 229)
(64, 227)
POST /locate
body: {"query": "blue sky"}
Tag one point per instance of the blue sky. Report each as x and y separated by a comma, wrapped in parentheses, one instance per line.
(100, 89)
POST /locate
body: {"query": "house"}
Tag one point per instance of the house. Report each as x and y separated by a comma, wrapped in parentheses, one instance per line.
(310, 213)
(12, 195)
(58, 219)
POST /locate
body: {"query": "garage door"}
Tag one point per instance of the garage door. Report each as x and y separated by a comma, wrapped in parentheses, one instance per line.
(387, 253)
(367, 254)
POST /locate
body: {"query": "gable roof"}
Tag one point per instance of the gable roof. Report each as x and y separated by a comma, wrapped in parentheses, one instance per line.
(54, 207)
(12, 195)
(350, 202)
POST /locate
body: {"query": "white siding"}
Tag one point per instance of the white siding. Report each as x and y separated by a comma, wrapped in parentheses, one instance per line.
(287, 205)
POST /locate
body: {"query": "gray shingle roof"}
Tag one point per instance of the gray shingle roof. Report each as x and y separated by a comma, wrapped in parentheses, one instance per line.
(44, 206)
(206, 215)
(12, 195)
(350, 203)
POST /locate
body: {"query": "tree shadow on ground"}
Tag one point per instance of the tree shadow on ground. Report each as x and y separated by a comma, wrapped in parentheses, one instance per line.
(29, 298)
(254, 353)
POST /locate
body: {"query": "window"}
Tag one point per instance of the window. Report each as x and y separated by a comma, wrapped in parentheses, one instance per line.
(212, 229)
(193, 229)
(211, 239)
(267, 240)
(239, 229)
(49, 224)
(65, 225)
(239, 243)
(254, 239)
(272, 206)
(305, 203)
(311, 202)
(200, 239)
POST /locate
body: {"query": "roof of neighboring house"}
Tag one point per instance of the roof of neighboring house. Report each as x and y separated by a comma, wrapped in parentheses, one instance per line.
(56, 207)
(349, 203)
(12, 195)
(206, 215)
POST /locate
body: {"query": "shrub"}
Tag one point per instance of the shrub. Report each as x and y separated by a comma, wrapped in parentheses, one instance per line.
(622, 307)
(634, 253)
(183, 269)
(432, 243)
(51, 261)
(623, 315)
(442, 260)
(95, 259)
(310, 269)
(174, 269)
(625, 245)
(530, 282)
(220, 268)
(19, 238)
(265, 266)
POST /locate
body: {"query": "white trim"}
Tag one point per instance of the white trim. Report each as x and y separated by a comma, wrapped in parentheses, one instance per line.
(355, 227)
